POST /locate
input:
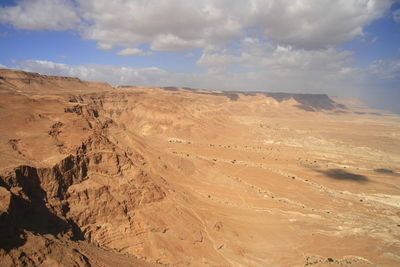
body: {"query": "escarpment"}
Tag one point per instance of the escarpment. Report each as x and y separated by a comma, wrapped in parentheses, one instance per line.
(95, 175)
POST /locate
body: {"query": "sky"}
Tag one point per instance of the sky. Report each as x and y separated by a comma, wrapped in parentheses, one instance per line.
(347, 48)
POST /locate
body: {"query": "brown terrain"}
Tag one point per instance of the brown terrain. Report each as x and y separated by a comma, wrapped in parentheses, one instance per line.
(95, 175)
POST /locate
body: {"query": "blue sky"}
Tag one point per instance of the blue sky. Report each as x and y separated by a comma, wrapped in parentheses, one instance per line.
(387, 44)
(344, 47)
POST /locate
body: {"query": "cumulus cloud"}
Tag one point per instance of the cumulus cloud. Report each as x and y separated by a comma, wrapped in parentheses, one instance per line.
(170, 42)
(212, 58)
(253, 53)
(180, 24)
(177, 25)
(41, 15)
(166, 25)
(316, 24)
(134, 52)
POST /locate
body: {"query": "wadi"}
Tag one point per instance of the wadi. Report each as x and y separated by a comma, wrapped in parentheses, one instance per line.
(99, 175)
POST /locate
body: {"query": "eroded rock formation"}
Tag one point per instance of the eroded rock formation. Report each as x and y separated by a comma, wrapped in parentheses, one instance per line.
(95, 175)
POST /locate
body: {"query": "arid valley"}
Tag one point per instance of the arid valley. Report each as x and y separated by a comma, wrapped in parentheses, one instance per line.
(100, 175)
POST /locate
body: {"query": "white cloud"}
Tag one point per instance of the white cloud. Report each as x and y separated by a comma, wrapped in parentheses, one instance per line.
(180, 24)
(3, 66)
(213, 78)
(165, 25)
(134, 52)
(176, 25)
(212, 58)
(170, 42)
(104, 46)
(253, 53)
(41, 15)
(316, 24)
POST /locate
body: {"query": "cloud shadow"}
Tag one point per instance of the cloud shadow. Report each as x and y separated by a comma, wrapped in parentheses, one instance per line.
(343, 175)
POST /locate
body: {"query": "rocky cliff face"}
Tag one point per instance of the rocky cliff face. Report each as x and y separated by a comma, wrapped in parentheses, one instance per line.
(91, 194)
(307, 102)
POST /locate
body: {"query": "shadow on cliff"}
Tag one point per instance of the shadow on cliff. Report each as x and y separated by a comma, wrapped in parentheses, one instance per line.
(28, 212)
(339, 174)
(307, 102)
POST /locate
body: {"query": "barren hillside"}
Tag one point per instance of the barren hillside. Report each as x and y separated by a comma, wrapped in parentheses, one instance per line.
(95, 175)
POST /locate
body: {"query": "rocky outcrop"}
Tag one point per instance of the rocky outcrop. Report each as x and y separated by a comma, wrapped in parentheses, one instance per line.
(90, 195)
(50, 188)
(39, 84)
(55, 201)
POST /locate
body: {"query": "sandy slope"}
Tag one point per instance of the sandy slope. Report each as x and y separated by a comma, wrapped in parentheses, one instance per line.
(97, 175)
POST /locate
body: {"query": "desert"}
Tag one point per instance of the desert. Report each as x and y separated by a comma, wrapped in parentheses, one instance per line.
(99, 175)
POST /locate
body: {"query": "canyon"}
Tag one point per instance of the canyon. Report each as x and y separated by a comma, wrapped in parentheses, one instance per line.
(98, 175)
